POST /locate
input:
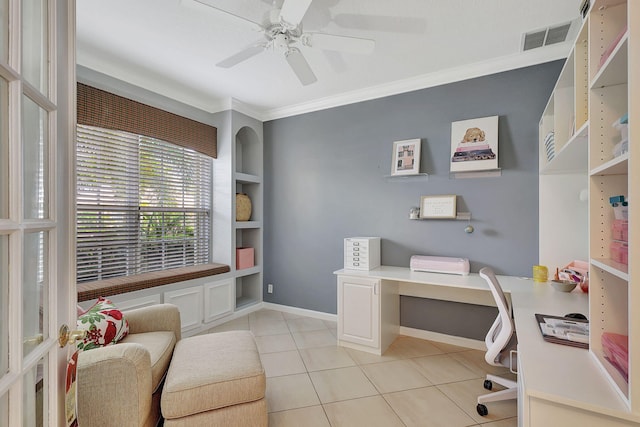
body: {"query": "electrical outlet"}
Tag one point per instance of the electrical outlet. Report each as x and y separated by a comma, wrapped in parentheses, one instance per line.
(269, 288)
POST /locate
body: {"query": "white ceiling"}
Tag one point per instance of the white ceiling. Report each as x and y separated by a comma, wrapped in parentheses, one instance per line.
(171, 49)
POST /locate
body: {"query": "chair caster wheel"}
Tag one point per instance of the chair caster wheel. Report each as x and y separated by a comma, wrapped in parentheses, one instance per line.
(488, 384)
(482, 409)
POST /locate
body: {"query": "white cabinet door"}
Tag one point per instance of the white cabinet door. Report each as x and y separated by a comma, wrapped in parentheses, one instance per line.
(124, 303)
(359, 311)
(218, 299)
(189, 302)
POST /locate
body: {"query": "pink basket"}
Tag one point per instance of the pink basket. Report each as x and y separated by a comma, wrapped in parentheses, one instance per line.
(581, 267)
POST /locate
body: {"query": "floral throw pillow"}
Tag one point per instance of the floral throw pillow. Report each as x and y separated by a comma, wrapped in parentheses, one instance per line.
(104, 323)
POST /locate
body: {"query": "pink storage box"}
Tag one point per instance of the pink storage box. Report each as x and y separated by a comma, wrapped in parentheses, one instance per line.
(621, 230)
(244, 258)
(616, 349)
(619, 252)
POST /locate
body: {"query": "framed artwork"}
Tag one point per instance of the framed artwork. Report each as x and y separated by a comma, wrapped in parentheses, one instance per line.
(438, 206)
(474, 144)
(406, 157)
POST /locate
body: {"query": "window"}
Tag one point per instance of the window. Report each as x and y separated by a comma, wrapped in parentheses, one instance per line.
(142, 204)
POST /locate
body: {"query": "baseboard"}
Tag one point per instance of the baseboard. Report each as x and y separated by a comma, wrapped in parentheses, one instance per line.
(443, 338)
(300, 311)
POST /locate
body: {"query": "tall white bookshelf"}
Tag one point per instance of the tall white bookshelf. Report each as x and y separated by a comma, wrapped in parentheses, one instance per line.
(614, 91)
(599, 83)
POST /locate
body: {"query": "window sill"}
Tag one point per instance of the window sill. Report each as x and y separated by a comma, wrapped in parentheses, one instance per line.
(120, 285)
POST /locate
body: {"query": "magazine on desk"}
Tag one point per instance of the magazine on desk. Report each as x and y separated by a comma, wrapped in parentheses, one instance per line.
(564, 330)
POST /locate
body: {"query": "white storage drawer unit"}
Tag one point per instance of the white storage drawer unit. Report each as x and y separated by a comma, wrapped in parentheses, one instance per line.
(362, 253)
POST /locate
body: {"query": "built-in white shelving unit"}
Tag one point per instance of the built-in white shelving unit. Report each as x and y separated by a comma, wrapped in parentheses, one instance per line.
(563, 178)
(247, 155)
(599, 84)
(615, 91)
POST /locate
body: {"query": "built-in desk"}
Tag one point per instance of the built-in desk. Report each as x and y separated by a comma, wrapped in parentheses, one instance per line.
(558, 385)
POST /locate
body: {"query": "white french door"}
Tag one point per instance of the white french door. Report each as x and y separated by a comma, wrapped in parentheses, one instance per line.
(37, 285)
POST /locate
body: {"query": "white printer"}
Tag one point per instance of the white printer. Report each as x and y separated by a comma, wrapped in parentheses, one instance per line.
(440, 264)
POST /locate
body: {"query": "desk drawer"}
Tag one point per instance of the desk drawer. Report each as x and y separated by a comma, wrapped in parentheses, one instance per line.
(356, 263)
(356, 251)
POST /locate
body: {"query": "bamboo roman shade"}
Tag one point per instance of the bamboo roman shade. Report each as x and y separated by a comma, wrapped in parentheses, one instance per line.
(109, 111)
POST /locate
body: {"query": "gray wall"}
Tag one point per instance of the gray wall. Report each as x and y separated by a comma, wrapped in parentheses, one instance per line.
(325, 180)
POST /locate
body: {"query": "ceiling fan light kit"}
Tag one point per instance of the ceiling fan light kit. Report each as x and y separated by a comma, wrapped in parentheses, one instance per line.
(283, 34)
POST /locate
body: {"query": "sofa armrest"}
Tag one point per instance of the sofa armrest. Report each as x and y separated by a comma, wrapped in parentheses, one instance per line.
(159, 317)
(114, 386)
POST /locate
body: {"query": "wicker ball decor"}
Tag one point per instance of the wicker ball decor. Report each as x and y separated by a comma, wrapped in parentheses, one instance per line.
(243, 207)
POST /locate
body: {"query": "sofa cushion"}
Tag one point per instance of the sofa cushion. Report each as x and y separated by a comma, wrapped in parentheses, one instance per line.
(212, 371)
(104, 323)
(160, 345)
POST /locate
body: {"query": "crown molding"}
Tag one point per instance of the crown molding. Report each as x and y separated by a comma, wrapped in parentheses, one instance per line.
(479, 69)
(247, 109)
(451, 75)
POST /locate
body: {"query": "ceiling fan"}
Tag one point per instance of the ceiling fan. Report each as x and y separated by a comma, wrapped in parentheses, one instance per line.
(282, 31)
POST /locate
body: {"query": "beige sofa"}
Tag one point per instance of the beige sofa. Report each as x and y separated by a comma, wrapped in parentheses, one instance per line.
(121, 384)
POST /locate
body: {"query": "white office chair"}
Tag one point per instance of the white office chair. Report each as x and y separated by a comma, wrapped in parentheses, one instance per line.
(500, 341)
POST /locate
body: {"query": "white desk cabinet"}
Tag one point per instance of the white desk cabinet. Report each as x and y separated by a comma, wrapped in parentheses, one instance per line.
(368, 313)
(559, 385)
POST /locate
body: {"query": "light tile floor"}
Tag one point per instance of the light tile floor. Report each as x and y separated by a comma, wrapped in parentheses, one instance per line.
(313, 382)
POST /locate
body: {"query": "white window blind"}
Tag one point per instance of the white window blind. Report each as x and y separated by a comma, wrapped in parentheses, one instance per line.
(142, 205)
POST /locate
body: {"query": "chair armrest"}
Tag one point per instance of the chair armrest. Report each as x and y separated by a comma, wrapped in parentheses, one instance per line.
(159, 317)
(114, 386)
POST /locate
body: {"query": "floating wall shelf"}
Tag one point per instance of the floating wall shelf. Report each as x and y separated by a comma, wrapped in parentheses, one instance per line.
(413, 177)
(460, 216)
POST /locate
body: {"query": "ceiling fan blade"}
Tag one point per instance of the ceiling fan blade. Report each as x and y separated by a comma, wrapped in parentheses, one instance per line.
(243, 55)
(293, 11)
(339, 43)
(300, 66)
(202, 5)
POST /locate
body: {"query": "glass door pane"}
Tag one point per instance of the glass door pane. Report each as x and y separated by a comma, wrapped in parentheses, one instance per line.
(4, 411)
(4, 31)
(4, 305)
(35, 169)
(34, 290)
(34, 44)
(33, 396)
(4, 148)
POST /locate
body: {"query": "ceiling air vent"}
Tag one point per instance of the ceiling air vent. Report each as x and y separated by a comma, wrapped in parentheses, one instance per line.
(546, 36)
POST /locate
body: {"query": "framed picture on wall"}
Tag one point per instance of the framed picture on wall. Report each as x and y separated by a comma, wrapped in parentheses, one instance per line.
(474, 144)
(435, 207)
(406, 157)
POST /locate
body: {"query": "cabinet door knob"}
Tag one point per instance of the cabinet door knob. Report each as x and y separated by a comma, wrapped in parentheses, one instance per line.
(356, 263)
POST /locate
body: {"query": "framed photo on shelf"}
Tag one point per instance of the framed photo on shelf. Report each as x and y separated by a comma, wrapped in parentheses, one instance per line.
(438, 207)
(474, 144)
(406, 157)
